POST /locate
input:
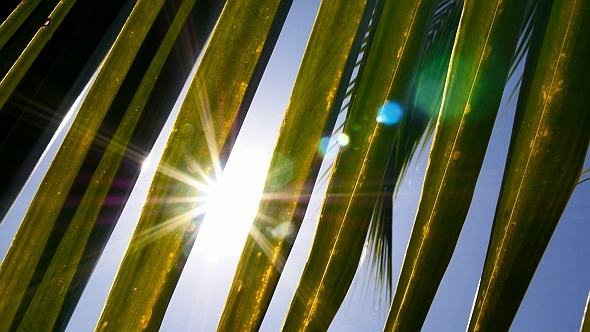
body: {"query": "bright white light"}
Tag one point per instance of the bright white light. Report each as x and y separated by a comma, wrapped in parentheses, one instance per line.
(146, 162)
(233, 204)
(390, 113)
(343, 139)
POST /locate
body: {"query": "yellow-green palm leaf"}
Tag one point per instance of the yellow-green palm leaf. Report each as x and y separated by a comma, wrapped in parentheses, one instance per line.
(549, 142)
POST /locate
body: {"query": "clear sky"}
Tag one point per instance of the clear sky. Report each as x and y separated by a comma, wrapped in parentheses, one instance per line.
(554, 302)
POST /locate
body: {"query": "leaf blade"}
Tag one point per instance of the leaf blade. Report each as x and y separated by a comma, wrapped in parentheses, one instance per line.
(484, 45)
(42, 213)
(546, 155)
(51, 295)
(323, 70)
(15, 19)
(215, 105)
(358, 171)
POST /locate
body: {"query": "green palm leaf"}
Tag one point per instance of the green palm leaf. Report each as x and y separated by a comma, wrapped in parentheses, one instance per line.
(164, 94)
(33, 112)
(359, 169)
(16, 19)
(398, 53)
(484, 45)
(51, 293)
(22, 258)
(318, 94)
(215, 105)
(85, 238)
(415, 125)
(549, 142)
(23, 35)
(29, 54)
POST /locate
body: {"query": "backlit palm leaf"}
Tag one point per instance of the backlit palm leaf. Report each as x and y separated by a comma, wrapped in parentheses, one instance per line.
(318, 94)
(48, 88)
(28, 246)
(416, 124)
(546, 155)
(16, 19)
(352, 192)
(51, 295)
(479, 67)
(399, 65)
(215, 105)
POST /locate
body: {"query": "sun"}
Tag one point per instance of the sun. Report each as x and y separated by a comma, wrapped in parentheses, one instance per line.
(233, 203)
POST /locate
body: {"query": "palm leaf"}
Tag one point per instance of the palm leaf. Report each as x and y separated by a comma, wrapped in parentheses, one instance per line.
(546, 155)
(49, 87)
(50, 296)
(215, 105)
(161, 100)
(326, 68)
(479, 67)
(524, 41)
(358, 171)
(415, 125)
(20, 262)
(16, 19)
(525, 37)
(29, 54)
(23, 35)
(60, 240)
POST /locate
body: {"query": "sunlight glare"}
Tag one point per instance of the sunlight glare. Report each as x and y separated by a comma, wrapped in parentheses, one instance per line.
(146, 163)
(343, 139)
(233, 204)
(390, 113)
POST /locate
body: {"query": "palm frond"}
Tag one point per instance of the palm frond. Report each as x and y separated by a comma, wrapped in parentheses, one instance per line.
(548, 145)
(69, 259)
(34, 47)
(372, 80)
(38, 224)
(50, 86)
(358, 170)
(214, 107)
(415, 124)
(265, 252)
(524, 39)
(15, 19)
(480, 61)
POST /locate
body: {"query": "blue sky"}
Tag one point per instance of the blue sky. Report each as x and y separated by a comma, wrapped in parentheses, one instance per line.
(554, 302)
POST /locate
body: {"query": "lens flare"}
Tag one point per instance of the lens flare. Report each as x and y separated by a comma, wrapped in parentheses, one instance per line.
(343, 140)
(390, 113)
(323, 145)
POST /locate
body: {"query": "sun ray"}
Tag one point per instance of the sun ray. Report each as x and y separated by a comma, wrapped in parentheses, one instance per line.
(184, 178)
(184, 220)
